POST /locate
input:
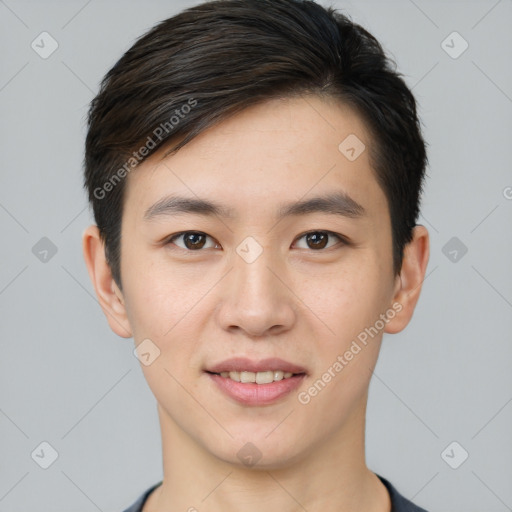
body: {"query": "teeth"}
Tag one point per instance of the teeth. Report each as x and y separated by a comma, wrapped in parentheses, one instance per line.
(264, 377)
(257, 377)
(247, 377)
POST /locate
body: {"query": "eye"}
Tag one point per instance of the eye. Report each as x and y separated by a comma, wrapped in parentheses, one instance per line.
(318, 240)
(192, 240)
(197, 240)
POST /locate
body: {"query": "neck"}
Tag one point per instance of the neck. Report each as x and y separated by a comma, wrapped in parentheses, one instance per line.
(330, 477)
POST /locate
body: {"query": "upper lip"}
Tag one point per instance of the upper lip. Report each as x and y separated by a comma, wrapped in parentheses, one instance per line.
(240, 364)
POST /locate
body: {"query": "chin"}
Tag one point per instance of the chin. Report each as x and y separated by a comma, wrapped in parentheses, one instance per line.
(258, 451)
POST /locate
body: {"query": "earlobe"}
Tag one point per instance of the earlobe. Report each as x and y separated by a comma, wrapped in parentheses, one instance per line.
(109, 296)
(409, 282)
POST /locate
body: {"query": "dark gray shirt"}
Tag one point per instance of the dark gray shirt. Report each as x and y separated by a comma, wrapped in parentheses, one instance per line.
(398, 502)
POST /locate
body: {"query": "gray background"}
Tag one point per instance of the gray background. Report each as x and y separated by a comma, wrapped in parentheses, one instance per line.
(66, 379)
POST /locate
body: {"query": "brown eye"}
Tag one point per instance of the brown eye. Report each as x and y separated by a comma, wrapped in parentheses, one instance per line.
(318, 240)
(192, 240)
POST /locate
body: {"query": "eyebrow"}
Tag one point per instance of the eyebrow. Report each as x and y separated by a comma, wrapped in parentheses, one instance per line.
(338, 203)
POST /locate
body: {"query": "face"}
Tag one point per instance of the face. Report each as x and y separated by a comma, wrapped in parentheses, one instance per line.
(254, 284)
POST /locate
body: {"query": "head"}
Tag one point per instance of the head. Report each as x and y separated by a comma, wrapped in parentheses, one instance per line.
(242, 108)
(214, 60)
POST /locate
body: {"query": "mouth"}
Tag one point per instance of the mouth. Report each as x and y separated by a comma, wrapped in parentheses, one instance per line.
(242, 369)
(256, 382)
(264, 377)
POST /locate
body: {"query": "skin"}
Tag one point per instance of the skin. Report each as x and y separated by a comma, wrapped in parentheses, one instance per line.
(301, 304)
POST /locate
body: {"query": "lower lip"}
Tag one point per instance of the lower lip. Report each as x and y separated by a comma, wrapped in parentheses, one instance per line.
(250, 393)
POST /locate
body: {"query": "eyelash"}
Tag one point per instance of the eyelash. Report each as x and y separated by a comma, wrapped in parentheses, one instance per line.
(170, 240)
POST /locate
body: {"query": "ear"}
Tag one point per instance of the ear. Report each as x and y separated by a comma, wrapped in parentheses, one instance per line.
(109, 296)
(408, 283)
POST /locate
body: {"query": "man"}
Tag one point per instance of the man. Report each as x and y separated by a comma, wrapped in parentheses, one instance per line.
(255, 170)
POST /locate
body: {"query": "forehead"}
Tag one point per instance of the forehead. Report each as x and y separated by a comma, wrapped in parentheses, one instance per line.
(272, 153)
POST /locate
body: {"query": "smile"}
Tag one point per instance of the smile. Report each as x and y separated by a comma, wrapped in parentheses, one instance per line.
(256, 388)
(265, 377)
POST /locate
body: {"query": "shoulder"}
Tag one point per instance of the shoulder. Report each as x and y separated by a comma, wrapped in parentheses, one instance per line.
(137, 506)
(398, 502)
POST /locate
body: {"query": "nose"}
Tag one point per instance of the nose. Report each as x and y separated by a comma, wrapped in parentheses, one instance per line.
(256, 299)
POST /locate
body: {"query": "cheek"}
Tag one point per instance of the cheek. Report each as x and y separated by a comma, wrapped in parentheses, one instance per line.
(148, 308)
(351, 307)
(348, 300)
(155, 297)
(159, 310)
(168, 308)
